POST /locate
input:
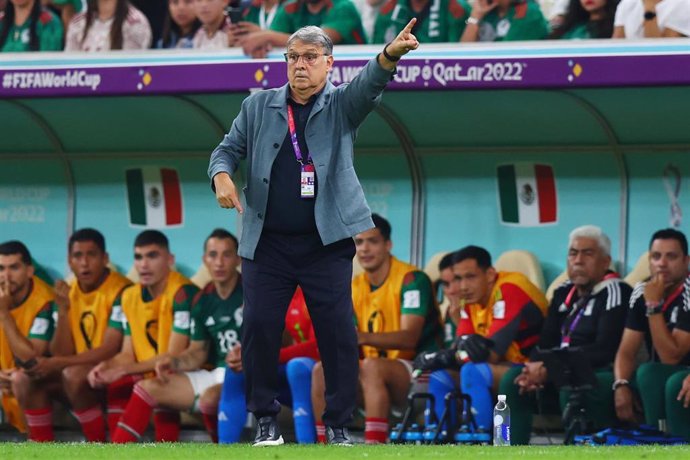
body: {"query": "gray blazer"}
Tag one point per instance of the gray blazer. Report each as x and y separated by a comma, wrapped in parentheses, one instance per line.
(341, 211)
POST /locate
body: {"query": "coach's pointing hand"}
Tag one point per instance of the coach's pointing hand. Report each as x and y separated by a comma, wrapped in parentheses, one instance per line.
(226, 192)
(400, 46)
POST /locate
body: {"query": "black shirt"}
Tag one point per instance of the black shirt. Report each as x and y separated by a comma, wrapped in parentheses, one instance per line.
(676, 314)
(286, 211)
(155, 11)
(599, 330)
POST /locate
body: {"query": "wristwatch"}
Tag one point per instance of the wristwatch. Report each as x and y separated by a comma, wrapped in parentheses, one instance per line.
(654, 308)
(619, 383)
(472, 20)
(649, 15)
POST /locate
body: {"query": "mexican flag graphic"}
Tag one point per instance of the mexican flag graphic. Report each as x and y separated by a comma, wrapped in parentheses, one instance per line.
(154, 197)
(527, 194)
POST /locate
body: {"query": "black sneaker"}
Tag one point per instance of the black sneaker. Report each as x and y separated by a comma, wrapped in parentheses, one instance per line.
(339, 436)
(267, 433)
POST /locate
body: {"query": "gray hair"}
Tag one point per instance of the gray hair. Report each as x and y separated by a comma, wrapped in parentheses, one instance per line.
(312, 35)
(593, 232)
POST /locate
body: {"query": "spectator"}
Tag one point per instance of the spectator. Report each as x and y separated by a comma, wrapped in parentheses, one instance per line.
(180, 25)
(156, 321)
(214, 33)
(107, 26)
(27, 26)
(67, 9)
(438, 21)
(338, 18)
(501, 315)
(505, 20)
(26, 329)
(652, 19)
(396, 318)
(587, 19)
(260, 13)
(368, 11)
(155, 12)
(588, 311)
(82, 339)
(659, 316)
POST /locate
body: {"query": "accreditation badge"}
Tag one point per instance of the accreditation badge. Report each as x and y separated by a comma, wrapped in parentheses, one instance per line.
(308, 179)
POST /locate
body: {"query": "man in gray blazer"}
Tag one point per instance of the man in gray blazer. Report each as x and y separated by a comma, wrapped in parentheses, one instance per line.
(303, 204)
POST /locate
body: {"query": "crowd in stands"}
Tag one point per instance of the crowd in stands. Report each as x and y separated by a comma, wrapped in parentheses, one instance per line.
(256, 26)
(122, 352)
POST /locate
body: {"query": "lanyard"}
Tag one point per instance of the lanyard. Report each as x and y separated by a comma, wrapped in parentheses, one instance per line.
(566, 333)
(293, 138)
(672, 297)
(265, 19)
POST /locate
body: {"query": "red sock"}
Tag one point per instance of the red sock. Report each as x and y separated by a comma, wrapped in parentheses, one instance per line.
(320, 433)
(92, 423)
(117, 396)
(210, 416)
(136, 417)
(375, 430)
(40, 422)
(167, 424)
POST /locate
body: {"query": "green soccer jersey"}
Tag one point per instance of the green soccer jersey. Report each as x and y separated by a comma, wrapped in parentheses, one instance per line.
(449, 329)
(440, 21)
(48, 30)
(255, 14)
(577, 32)
(338, 15)
(252, 13)
(416, 298)
(217, 321)
(523, 21)
(43, 325)
(117, 316)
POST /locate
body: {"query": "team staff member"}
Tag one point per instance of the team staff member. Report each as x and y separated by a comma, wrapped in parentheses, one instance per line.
(660, 314)
(26, 328)
(82, 337)
(303, 205)
(588, 311)
(155, 318)
(659, 318)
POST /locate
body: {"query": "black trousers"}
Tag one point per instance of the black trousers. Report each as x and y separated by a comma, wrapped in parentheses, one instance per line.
(281, 262)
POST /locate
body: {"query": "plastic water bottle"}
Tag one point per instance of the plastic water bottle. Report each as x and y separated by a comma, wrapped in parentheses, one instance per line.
(501, 422)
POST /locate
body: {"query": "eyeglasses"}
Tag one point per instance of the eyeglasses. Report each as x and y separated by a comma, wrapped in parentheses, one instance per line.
(309, 58)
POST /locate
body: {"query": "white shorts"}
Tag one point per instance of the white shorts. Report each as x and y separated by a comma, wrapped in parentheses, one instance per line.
(408, 365)
(203, 379)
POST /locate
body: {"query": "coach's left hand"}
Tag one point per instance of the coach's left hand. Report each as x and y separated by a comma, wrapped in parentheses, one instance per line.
(404, 42)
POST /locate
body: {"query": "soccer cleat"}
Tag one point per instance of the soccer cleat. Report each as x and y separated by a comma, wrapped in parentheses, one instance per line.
(267, 433)
(338, 435)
